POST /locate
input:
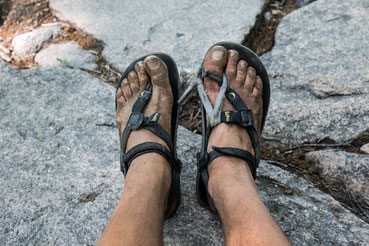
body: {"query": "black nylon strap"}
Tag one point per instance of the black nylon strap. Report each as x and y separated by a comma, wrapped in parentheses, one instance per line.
(148, 147)
(159, 131)
(142, 98)
(235, 99)
(239, 153)
(243, 118)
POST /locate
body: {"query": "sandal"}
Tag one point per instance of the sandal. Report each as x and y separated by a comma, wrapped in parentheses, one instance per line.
(137, 120)
(243, 117)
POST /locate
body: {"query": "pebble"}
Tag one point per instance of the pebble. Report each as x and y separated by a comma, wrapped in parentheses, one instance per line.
(365, 148)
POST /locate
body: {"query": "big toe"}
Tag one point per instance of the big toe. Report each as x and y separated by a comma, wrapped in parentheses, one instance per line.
(157, 71)
(215, 62)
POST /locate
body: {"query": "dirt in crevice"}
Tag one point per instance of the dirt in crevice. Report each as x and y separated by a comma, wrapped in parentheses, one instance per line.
(27, 15)
(294, 160)
(261, 37)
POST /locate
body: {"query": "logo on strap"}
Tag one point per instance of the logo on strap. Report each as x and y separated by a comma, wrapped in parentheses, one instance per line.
(227, 115)
(232, 95)
(143, 93)
(154, 118)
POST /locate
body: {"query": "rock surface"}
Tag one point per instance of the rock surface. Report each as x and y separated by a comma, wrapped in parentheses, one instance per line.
(66, 54)
(31, 42)
(183, 29)
(319, 74)
(60, 179)
(337, 167)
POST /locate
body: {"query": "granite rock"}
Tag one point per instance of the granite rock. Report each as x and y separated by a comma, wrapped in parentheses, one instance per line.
(183, 29)
(28, 43)
(319, 74)
(66, 54)
(337, 167)
(60, 178)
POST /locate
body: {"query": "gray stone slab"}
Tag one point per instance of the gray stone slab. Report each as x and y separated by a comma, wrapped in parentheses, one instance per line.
(66, 54)
(320, 74)
(28, 43)
(183, 29)
(337, 167)
(60, 178)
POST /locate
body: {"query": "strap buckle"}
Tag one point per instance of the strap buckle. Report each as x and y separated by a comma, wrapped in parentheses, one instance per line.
(135, 120)
(247, 118)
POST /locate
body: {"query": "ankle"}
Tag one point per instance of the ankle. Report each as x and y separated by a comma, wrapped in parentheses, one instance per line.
(151, 169)
(227, 174)
(224, 135)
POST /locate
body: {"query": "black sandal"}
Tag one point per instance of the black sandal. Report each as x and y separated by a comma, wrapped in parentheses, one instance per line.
(243, 117)
(137, 120)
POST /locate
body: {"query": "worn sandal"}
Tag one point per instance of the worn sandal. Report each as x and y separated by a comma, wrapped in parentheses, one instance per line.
(243, 117)
(137, 120)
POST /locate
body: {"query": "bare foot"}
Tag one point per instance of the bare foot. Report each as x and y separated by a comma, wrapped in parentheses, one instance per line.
(161, 101)
(244, 81)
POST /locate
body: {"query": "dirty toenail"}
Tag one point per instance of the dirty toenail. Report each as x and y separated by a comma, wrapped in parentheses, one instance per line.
(153, 63)
(132, 74)
(242, 64)
(251, 71)
(140, 64)
(125, 81)
(232, 52)
(217, 54)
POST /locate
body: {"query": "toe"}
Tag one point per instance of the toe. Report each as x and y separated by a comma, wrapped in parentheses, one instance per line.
(120, 97)
(231, 70)
(133, 82)
(250, 79)
(215, 62)
(126, 89)
(241, 72)
(258, 88)
(157, 71)
(143, 78)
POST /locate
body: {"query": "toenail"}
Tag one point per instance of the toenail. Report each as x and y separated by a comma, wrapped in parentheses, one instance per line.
(125, 81)
(232, 52)
(132, 74)
(140, 64)
(242, 64)
(153, 63)
(251, 71)
(217, 54)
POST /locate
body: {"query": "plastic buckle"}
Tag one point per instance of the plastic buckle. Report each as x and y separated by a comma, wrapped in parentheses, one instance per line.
(135, 120)
(247, 118)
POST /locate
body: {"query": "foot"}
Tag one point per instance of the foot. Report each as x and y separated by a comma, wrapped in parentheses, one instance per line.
(161, 101)
(242, 78)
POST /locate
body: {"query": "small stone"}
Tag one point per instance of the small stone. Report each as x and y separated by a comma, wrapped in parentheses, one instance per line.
(66, 54)
(365, 148)
(268, 16)
(31, 42)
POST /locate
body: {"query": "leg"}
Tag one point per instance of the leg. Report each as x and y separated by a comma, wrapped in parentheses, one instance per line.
(139, 216)
(245, 218)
